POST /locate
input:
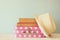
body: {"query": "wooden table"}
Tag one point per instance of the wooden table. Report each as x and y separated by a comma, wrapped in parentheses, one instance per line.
(11, 37)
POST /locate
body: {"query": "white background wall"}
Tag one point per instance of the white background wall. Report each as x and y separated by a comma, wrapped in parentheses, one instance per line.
(11, 10)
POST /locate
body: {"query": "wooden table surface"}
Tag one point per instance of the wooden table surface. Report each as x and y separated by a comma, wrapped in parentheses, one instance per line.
(11, 37)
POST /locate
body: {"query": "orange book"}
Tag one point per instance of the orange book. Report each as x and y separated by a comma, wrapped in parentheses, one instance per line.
(26, 24)
(27, 20)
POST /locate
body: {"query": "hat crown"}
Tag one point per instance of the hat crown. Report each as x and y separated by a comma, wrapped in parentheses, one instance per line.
(47, 22)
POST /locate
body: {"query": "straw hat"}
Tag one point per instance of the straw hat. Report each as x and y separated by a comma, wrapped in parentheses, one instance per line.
(46, 24)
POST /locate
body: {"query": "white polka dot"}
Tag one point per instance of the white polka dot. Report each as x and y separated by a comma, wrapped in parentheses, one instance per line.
(35, 27)
(17, 31)
(19, 35)
(39, 35)
(21, 28)
(26, 27)
(34, 35)
(27, 32)
(24, 35)
(32, 31)
(29, 35)
(30, 27)
(37, 31)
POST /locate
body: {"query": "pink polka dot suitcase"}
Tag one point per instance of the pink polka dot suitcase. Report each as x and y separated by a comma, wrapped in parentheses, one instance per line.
(28, 32)
(28, 28)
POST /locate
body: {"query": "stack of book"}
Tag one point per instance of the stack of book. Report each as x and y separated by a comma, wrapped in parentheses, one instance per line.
(27, 27)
